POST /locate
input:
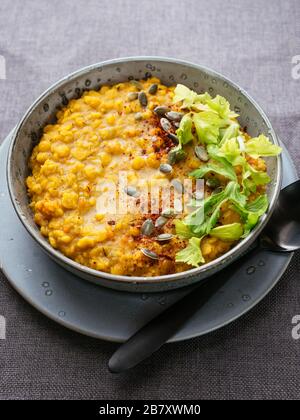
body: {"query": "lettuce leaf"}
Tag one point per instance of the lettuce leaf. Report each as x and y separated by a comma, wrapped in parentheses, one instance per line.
(231, 232)
(231, 131)
(203, 219)
(234, 194)
(231, 193)
(199, 103)
(184, 132)
(213, 218)
(195, 221)
(184, 94)
(224, 169)
(212, 123)
(252, 178)
(259, 205)
(190, 99)
(261, 146)
(259, 177)
(207, 125)
(220, 105)
(229, 152)
(192, 254)
(251, 212)
(182, 230)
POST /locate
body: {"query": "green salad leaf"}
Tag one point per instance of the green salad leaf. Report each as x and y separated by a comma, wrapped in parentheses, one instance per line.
(220, 105)
(236, 195)
(192, 254)
(232, 131)
(183, 93)
(229, 152)
(205, 217)
(203, 220)
(182, 230)
(259, 205)
(223, 169)
(252, 178)
(231, 232)
(207, 126)
(184, 132)
(211, 122)
(261, 146)
(251, 212)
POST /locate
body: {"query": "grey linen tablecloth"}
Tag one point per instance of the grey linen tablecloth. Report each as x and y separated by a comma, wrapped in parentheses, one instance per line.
(254, 43)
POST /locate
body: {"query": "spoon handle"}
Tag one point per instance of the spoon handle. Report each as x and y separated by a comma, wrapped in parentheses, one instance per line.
(159, 330)
(154, 334)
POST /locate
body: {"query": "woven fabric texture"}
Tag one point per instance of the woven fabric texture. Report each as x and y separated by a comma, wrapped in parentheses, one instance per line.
(254, 42)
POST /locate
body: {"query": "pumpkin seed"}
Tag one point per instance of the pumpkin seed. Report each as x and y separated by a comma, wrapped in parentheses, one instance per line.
(174, 116)
(217, 190)
(164, 237)
(165, 124)
(149, 254)
(137, 84)
(143, 99)
(201, 153)
(132, 191)
(175, 155)
(147, 227)
(153, 89)
(212, 183)
(177, 185)
(176, 124)
(160, 221)
(173, 137)
(161, 110)
(132, 96)
(165, 168)
(168, 213)
(138, 116)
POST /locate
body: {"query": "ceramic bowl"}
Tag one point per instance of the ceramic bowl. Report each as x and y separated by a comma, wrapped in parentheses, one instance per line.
(170, 72)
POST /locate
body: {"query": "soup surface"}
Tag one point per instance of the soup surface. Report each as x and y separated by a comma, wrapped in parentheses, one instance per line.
(113, 183)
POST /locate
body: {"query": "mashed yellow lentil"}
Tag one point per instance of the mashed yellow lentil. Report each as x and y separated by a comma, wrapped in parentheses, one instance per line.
(94, 138)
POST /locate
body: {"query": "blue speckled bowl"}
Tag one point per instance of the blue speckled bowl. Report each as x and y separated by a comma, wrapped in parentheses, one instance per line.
(170, 71)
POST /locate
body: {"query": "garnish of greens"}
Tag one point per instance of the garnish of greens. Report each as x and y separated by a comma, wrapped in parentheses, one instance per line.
(209, 122)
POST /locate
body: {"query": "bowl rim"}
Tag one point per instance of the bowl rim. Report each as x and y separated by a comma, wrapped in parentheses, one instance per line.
(206, 268)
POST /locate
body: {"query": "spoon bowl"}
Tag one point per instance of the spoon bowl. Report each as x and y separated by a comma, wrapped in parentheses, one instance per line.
(282, 233)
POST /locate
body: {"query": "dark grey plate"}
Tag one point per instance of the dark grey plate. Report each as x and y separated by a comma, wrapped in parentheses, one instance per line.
(111, 315)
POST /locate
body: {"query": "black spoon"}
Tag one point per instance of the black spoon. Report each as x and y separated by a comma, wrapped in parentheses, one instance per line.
(282, 234)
